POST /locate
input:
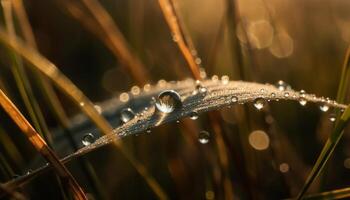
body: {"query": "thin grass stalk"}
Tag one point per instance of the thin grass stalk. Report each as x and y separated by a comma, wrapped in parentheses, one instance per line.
(334, 194)
(52, 99)
(10, 148)
(326, 152)
(21, 78)
(50, 70)
(118, 42)
(189, 52)
(177, 34)
(13, 194)
(40, 145)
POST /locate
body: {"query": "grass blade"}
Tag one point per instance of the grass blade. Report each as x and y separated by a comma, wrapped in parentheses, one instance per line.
(50, 70)
(40, 145)
(326, 151)
(178, 36)
(334, 194)
(117, 41)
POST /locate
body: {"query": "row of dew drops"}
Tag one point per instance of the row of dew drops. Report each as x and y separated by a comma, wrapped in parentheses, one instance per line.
(169, 101)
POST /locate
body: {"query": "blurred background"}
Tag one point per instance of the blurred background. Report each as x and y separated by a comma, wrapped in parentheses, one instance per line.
(255, 155)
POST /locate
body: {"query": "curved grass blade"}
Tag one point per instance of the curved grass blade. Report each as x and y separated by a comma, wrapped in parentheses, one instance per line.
(218, 96)
(40, 145)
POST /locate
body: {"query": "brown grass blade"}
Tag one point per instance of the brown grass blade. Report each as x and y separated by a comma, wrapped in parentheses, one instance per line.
(39, 143)
(178, 36)
(120, 47)
(11, 193)
(50, 70)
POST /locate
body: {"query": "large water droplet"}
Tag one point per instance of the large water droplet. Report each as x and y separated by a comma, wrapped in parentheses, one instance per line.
(88, 139)
(126, 115)
(203, 137)
(168, 101)
(259, 103)
(194, 115)
(282, 86)
(324, 107)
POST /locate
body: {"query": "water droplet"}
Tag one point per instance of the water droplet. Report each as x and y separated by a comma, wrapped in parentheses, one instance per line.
(194, 115)
(282, 86)
(273, 95)
(98, 109)
(225, 79)
(215, 78)
(259, 103)
(302, 93)
(203, 137)
(148, 130)
(302, 101)
(324, 107)
(332, 117)
(262, 90)
(126, 115)
(168, 101)
(124, 97)
(88, 139)
(200, 88)
(177, 121)
(286, 94)
(234, 99)
(135, 90)
(82, 104)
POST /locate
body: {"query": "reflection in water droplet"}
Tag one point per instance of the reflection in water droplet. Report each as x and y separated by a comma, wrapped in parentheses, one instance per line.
(203, 137)
(259, 103)
(324, 107)
(168, 101)
(286, 94)
(194, 115)
(259, 140)
(126, 115)
(88, 139)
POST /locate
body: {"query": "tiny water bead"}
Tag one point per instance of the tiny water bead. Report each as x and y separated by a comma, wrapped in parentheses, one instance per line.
(234, 99)
(126, 115)
(200, 88)
(324, 107)
(302, 101)
(194, 115)
(225, 79)
(203, 137)
(98, 109)
(88, 139)
(168, 101)
(286, 94)
(332, 117)
(259, 103)
(282, 86)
